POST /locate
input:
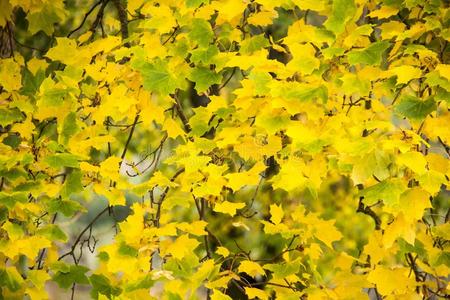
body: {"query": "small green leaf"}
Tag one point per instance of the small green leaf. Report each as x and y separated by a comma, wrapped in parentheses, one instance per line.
(156, 77)
(143, 283)
(102, 285)
(342, 12)
(62, 160)
(255, 43)
(371, 55)
(195, 3)
(67, 207)
(44, 20)
(72, 184)
(201, 32)
(281, 271)
(9, 116)
(388, 191)
(204, 78)
(53, 233)
(10, 279)
(9, 200)
(204, 55)
(76, 274)
(124, 249)
(31, 83)
(414, 108)
(70, 127)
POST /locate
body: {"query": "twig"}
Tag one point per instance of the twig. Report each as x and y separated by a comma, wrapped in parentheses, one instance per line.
(85, 18)
(247, 209)
(276, 257)
(99, 18)
(27, 46)
(180, 113)
(127, 143)
(228, 79)
(398, 94)
(368, 211)
(78, 239)
(175, 29)
(446, 147)
(156, 156)
(40, 260)
(123, 21)
(163, 196)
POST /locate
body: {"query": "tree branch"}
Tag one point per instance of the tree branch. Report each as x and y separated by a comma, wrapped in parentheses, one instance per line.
(368, 211)
(180, 113)
(163, 196)
(123, 21)
(78, 239)
(85, 18)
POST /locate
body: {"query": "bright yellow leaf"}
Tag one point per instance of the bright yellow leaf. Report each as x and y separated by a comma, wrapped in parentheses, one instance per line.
(227, 207)
(254, 293)
(251, 268)
(276, 213)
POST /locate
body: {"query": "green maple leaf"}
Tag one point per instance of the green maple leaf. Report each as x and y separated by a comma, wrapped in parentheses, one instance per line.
(371, 55)
(414, 108)
(342, 12)
(156, 77)
(201, 32)
(204, 78)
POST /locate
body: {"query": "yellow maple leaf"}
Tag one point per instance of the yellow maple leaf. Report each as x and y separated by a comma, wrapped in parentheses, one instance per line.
(405, 73)
(413, 160)
(172, 128)
(251, 268)
(399, 228)
(25, 129)
(253, 293)
(65, 46)
(133, 226)
(431, 181)
(413, 202)
(391, 29)
(182, 246)
(311, 4)
(87, 167)
(276, 213)
(262, 18)
(222, 251)
(324, 230)
(444, 71)
(10, 74)
(251, 177)
(218, 295)
(227, 207)
(384, 12)
(304, 59)
(195, 228)
(109, 168)
(230, 11)
(391, 281)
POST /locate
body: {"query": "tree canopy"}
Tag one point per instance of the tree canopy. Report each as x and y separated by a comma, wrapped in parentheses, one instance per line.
(224, 149)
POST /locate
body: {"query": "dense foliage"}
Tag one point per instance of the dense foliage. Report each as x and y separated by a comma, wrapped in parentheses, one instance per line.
(226, 149)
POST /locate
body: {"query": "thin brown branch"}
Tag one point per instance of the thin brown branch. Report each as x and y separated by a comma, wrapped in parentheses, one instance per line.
(163, 196)
(446, 147)
(78, 239)
(123, 19)
(86, 15)
(180, 113)
(368, 211)
(127, 143)
(228, 79)
(175, 29)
